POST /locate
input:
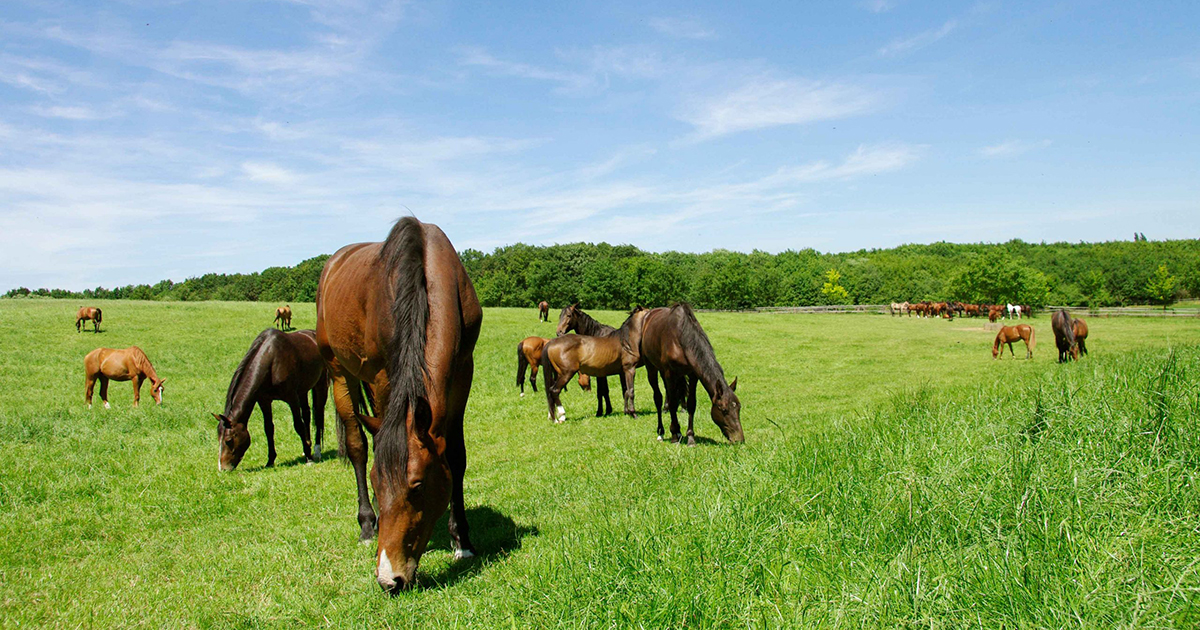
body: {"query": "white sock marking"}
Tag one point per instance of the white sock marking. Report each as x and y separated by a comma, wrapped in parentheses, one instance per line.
(460, 554)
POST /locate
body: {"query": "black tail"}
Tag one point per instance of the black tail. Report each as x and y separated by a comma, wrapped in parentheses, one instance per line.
(549, 375)
(99, 316)
(522, 363)
(403, 255)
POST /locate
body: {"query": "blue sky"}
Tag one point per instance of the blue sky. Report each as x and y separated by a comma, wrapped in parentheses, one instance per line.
(142, 140)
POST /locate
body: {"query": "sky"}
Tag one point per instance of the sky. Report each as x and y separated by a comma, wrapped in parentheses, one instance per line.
(151, 139)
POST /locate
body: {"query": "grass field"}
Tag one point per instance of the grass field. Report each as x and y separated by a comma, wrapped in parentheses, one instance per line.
(893, 475)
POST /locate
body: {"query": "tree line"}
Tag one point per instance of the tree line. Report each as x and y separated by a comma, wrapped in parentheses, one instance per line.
(604, 276)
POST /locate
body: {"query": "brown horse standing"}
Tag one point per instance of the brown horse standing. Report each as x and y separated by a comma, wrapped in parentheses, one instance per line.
(543, 311)
(278, 366)
(283, 317)
(603, 356)
(674, 344)
(400, 319)
(1008, 335)
(1081, 333)
(1064, 335)
(88, 313)
(127, 364)
(529, 354)
(574, 318)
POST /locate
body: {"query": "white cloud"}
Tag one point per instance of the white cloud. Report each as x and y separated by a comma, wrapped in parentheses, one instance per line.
(572, 81)
(1011, 148)
(268, 173)
(681, 27)
(919, 40)
(878, 6)
(69, 112)
(769, 102)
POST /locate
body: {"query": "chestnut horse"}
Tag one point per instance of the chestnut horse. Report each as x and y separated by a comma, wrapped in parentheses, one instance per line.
(1081, 333)
(674, 344)
(278, 366)
(1008, 335)
(397, 322)
(598, 356)
(85, 313)
(529, 354)
(573, 318)
(127, 364)
(283, 317)
(543, 311)
(1064, 335)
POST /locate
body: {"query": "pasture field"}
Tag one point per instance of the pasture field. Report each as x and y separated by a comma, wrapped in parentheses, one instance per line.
(893, 475)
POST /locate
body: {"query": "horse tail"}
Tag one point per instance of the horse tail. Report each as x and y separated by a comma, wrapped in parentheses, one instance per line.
(403, 255)
(549, 375)
(99, 316)
(522, 362)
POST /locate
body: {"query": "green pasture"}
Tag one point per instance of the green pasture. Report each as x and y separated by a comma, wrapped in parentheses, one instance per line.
(893, 475)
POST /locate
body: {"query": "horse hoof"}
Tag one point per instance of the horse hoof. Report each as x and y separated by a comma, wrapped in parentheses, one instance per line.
(463, 554)
(522, 394)
(660, 438)
(107, 407)
(691, 441)
(317, 453)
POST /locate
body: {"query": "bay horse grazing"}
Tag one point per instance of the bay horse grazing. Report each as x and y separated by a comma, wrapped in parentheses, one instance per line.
(88, 313)
(543, 311)
(126, 364)
(1064, 335)
(674, 344)
(1081, 333)
(397, 323)
(278, 366)
(529, 354)
(573, 318)
(283, 317)
(598, 356)
(1008, 335)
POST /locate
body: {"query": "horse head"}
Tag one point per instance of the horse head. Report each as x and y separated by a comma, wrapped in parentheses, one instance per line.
(727, 413)
(156, 390)
(233, 440)
(566, 319)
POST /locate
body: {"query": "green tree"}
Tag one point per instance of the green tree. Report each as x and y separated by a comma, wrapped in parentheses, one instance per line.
(1161, 286)
(833, 291)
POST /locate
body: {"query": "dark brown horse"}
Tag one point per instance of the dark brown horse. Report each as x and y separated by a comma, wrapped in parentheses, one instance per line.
(604, 356)
(127, 364)
(674, 344)
(88, 313)
(995, 312)
(278, 366)
(543, 311)
(1081, 333)
(529, 354)
(1008, 335)
(283, 317)
(1064, 335)
(573, 318)
(397, 323)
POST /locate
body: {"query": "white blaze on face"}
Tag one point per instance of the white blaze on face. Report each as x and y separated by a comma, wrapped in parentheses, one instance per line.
(384, 573)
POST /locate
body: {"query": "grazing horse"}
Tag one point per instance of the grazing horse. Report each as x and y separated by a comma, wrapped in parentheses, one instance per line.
(674, 344)
(1008, 335)
(898, 308)
(397, 323)
(529, 354)
(599, 356)
(127, 364)
(995, 312)
(1081, 333)
(283, 317)
(573, 318)
(278, 366)
(85, 313)
(543, 311)
(1064, 335)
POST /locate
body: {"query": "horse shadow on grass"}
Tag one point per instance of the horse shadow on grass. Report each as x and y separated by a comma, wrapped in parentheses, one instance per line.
(494, 535)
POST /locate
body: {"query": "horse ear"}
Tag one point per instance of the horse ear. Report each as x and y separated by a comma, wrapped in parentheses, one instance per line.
(733, 384)
(161, 381)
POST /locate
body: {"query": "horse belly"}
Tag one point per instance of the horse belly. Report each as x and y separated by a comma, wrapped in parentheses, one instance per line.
(114, 370)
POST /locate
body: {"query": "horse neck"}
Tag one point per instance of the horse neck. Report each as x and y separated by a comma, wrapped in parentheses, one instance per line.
(248, 379)
(145, 367)
(585, 325)
(703, 359)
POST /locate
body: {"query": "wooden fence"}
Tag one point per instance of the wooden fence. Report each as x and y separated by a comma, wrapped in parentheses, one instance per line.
(1113, 311)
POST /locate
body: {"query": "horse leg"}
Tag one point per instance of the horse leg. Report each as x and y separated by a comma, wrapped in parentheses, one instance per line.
(319, 394)
(533, 369)
(269, 428)
(674, 391)
(652, 376)
(89, 382)
(629, 371)
(104, 390)
(352, 441)
(456, 457)
(553, 394)
(602, 397)
(301, 418)
(137, 390)
(691, 409)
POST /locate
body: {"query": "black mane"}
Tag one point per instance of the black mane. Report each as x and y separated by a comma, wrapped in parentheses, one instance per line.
(696, 344)
(586, 325)
(239, 374)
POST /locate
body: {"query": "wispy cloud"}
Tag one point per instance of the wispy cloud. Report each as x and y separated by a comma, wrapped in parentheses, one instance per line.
(568, 80)
(1011, 148)
(767, 101)
(69, 112)
(268, 173)
(878, 6)
(920, 40)
(682, 28)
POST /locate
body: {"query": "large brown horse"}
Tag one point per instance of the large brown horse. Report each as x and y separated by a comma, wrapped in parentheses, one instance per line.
(283, 317)
(1064, 335)
(278, 366)
(543, 311)
(1008, 335)
(529, 354)
(126, 364)
(88, 313)
(597, 356)
(400, 319)
(674, 344)
(573, 318)
(1081, 333)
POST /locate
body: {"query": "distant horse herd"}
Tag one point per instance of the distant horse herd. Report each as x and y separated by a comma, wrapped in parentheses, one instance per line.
(397, 324)
(948, 310)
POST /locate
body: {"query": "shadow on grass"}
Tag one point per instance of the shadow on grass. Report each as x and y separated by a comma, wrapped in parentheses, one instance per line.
(494, 535)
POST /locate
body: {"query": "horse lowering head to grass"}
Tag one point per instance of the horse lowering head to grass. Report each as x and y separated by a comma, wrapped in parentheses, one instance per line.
(278, 366)
(88, 313)
(397, 323)
(283, 317)
(1064, 335)
(543, 311)
(1008, 335)
(674, 344)
(1081, 333)
(127, 364)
